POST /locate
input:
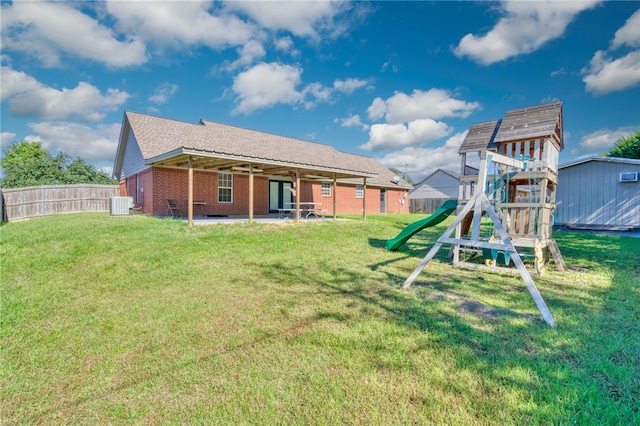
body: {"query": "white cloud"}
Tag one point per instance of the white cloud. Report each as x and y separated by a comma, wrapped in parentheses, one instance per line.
(525, 27)
(349, 85)
(6, 138)
(434, 103)
(283, 44)
(13, 82)
(45, 30)
(420, 162)
(94, 145)
(602, 140)
(353, 121)
(163, 93)
(629, 33)
(31, 98)
(251, 51)
(178, 24)
(416, 132)
(412, 120)
(265, 85)
(301, 18)
(605, 74)
(377, 109)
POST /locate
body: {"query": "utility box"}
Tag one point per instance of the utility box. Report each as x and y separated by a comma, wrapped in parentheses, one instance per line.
(120, 206)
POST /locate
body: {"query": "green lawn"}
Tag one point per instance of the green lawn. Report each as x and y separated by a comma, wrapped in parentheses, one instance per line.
(137, 320)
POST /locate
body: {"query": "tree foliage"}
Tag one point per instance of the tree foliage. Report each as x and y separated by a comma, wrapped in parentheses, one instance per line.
(28, 164)
(628, 147)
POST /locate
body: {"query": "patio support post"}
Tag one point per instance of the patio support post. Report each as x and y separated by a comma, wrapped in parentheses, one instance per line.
(250, 193)
(298, 195)
(335, 190)
(190, 195)
(364, 198)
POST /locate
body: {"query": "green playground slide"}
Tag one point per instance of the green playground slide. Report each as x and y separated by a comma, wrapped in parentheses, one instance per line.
(443, 212)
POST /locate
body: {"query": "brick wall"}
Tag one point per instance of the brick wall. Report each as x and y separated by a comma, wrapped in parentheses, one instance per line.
(160, 184)
(347, 203)
(173, 183)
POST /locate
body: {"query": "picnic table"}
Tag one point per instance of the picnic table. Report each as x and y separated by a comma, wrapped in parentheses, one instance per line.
(311, 209)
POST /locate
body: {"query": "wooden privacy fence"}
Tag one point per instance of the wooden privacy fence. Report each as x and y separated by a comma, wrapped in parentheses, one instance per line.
(426, 205)
(24, 203)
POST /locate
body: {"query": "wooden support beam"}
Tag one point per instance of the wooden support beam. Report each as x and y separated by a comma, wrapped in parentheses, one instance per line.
(334, 191)
(250, 193)
(190, 194)
(364, 198)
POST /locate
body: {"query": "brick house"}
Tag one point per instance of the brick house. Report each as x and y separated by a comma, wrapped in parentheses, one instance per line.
(229, 170)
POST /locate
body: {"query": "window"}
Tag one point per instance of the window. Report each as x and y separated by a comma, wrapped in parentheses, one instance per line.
(326, 189)
(225, 187)
(359, 191)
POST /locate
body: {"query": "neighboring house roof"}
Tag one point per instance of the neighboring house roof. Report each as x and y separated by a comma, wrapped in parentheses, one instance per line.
(599, 158)
(452, 174)
(539, 121)
(384, 178)
(439, 184)
(215, 146)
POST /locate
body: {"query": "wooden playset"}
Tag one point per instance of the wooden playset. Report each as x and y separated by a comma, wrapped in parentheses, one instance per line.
(506, 205)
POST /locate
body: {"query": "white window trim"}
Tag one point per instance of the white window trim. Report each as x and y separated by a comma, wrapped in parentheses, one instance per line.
(225, 187)
(326, 187)
(359, 191)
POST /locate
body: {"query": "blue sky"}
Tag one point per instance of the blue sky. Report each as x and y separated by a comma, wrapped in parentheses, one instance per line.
(398, 81)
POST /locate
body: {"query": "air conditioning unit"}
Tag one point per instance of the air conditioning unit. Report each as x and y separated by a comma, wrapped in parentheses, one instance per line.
(628, 177)
(119, 206)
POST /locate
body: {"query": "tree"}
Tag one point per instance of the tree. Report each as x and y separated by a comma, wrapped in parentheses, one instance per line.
(628, 147)
(28, 164)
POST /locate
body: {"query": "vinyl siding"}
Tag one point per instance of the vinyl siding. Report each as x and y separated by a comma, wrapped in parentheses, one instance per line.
(590, 194)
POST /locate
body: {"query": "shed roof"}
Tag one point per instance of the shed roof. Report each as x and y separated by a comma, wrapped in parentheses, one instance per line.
(596, 157)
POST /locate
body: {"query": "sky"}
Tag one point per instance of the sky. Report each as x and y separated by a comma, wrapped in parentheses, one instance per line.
(398, 81)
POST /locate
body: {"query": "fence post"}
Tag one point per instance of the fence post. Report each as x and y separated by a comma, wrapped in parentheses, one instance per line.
(42, 196)
(84, 198)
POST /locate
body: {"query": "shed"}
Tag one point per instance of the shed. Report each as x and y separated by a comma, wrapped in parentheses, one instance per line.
(431, 192)
(599, 193)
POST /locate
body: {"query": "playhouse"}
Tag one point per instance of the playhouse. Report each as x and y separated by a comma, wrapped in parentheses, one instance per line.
(505, 211)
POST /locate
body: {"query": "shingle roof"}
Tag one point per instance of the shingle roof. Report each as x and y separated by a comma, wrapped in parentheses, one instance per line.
(480, 136)
(530, 123)
(164, 141)
(539, 121)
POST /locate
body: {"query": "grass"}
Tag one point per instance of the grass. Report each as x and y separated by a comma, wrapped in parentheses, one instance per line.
(138, 320)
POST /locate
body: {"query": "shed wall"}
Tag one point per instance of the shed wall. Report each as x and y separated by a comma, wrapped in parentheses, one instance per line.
(589, 194)
(440, 185)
